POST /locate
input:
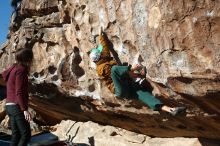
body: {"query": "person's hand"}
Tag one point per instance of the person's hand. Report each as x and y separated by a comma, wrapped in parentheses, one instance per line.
(143, 72)
(101, 30)
(27, 116)
(136, 67)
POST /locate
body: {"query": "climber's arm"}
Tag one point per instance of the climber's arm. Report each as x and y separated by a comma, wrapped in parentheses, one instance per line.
(105, 43)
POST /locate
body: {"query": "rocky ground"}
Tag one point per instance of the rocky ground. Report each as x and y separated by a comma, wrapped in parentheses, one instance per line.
(93, 134)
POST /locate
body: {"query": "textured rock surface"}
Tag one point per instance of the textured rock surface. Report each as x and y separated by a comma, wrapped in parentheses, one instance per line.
(178, 41)
(93, 134)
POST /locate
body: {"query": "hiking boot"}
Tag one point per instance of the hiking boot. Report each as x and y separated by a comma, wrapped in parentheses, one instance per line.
(177, 111)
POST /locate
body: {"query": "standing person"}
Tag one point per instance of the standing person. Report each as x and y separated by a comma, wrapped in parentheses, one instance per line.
(17, 97)
(121, 79)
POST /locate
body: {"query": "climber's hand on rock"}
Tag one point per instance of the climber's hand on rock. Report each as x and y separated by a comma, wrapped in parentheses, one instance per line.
(136, 67)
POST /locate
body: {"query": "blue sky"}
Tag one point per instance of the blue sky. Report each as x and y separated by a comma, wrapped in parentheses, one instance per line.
(5, 13)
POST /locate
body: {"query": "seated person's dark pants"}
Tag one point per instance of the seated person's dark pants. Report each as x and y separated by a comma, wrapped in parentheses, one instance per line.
(2, 92)
(125, 87)
(21, 132)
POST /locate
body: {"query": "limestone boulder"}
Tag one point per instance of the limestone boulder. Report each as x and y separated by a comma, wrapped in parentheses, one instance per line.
(178, 42)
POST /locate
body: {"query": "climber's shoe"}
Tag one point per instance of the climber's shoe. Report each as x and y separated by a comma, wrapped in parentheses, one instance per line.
(177, 111)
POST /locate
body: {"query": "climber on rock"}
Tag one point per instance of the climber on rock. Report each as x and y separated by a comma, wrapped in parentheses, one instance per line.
(121, 80)
(16, 5)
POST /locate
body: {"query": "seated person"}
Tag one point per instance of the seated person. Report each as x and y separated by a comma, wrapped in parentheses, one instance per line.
(121, 79)
(2, 88)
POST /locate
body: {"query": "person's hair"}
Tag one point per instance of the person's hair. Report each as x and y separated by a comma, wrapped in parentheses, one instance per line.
(24, 56)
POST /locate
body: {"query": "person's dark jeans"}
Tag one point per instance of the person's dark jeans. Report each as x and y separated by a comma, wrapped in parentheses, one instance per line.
(21, 132)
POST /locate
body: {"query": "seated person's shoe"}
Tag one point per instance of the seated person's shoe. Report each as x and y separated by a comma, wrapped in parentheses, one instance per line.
(177, 111)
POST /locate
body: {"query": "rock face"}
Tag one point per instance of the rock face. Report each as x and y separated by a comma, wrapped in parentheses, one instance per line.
(178, 41)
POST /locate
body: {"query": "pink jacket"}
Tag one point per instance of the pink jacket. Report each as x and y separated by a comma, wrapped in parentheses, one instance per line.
(17, 85)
